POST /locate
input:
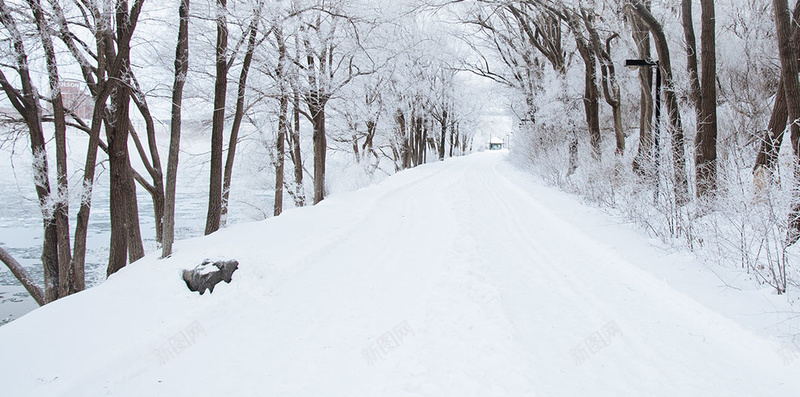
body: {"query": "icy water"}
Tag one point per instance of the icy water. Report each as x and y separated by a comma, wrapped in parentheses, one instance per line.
(22, 237)
(21, 223)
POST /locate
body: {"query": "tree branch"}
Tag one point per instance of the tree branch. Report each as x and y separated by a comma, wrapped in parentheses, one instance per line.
(22, 275)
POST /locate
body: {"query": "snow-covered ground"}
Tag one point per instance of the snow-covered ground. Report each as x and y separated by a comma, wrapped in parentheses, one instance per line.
(464, 277)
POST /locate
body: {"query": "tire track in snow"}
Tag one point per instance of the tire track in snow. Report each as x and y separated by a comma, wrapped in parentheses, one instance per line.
(586, 285)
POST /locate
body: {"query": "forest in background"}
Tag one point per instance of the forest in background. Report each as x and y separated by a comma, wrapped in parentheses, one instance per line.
(703, 164)
(388, 85)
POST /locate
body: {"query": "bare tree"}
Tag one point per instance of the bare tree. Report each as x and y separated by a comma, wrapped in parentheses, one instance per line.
(608, 76)
(181, 68)
(283, 121)
(791, 86)
(27, 104)
(373, 100)
(218, 120)
(294, 136)
(97, 79)
(442, 104)
(251, 33)
(706, 142)
(327, 68)
(703, 94)
(765, 168)
(591, 95)
(125, 239)
(691, 60)
(317, 98)
(151, 161)
(62, 191)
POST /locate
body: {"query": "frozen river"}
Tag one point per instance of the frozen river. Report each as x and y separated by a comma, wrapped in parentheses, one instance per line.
(21, 223)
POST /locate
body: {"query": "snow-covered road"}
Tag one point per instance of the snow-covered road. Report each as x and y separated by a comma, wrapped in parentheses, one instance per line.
(451, 279)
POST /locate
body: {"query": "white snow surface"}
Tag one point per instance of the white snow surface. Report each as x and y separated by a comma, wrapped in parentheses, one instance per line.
(461, 278)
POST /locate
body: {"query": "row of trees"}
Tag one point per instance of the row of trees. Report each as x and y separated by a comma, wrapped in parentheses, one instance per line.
(530, 47)
(377, 82)
(315, 68)
(527, 35)
(522, 33)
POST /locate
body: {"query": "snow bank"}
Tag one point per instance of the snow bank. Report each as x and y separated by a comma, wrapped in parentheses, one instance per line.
(463, 277)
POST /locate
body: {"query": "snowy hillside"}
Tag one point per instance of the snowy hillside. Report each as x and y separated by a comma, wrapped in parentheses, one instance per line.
(460, 278)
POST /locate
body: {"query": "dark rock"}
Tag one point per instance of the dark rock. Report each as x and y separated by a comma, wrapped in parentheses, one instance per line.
(208, 274)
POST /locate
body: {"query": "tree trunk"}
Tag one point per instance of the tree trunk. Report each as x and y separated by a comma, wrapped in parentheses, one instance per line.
(218, 121)
(101, 90)
(22, 275)
(135, 246)
(237, 117)
(181, 68)
(417, 142)
(706, 140)
(29, 107)
(316, 99)
(443, 126)
(695, 94)
(320, 148)
(423, 155)
(61, 210)
(297, 159)
(453, 140)
(281, 154)
(117, 135)
(791, 86)
(766, 164)
(367, 147)
(609, 78)
(402, 158)
(410, 143)
(573, 152)
(153, 166)
(591, 94)
(619, 134)
(123, 211)
(642, 163)
(591, 105)
(406, 138)
(283, 126)
(82, 226)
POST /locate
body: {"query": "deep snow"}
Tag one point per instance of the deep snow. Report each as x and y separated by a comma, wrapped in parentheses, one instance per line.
(464, 277)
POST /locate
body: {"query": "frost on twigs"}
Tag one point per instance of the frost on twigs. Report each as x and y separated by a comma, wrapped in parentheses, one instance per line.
(208, 274)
